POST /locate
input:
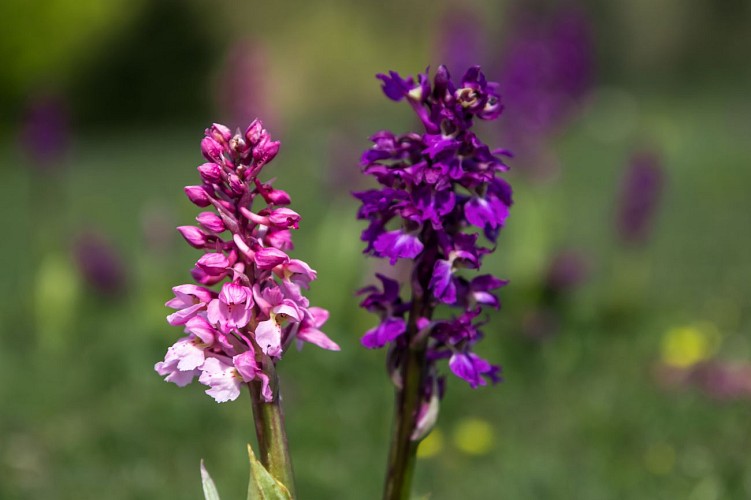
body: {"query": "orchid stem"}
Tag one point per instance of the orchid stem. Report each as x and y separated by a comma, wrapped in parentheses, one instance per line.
(272, 436)
(403, 453)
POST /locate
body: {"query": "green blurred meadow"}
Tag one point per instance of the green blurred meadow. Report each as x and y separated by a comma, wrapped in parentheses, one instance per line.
(582, 414)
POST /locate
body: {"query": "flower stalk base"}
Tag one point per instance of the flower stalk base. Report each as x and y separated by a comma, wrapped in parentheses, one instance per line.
(402, 456)
(273, 449)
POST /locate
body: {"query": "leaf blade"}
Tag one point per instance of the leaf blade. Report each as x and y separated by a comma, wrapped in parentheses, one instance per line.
(209, 488)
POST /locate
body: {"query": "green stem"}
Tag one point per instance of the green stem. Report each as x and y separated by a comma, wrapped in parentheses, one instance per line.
(271, 434)
(402, 456)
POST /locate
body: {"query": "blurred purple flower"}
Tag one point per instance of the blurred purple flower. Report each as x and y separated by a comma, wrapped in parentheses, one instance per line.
(100, 264)
(568, 269)
(45, 131)
(640, 192)
(461, 41)
(721, 380)
(242, 86)
(546, 72)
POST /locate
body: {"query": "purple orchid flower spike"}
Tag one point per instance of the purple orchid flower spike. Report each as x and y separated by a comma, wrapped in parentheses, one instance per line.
(100, 264)
(239, 330)
(440, 193)
(243, 89)
(641, 189)
(45, 131)
(249, 257)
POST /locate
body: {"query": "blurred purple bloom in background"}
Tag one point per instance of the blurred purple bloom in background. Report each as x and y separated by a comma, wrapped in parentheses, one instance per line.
(242, 87)
(45, 131)
(461, 42)
(100, 263)
(641, 189)
(720, 380)
(547, 70)
(567, 271)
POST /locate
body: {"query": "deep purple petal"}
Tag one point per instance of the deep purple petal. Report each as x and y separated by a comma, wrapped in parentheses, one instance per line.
(386, 332)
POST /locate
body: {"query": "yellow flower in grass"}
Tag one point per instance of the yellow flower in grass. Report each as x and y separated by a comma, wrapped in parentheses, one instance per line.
(474, 436)
(431, 445)
(687, 345)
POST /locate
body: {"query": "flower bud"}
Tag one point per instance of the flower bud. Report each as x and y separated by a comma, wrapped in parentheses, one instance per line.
(268, 258)
(213, 264)
(284, 217)
(194, 236)
(275, 196)
(211, 221)
(211, 149)
(281, 239)
(219, 133)
(254, 132)
(205, 278)
(265, 151)
(237, 185)
(211, 172)
(198, 196)
(238, 145)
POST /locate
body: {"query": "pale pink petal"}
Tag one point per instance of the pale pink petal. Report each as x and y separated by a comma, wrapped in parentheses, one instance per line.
(190, 356)
(202, 329)
(213, 312)
(239, 316)
(246, 365)
(317, 337)
(223, 380)
(269, 337)
(289, 310)
(182, 316)
(319, 314)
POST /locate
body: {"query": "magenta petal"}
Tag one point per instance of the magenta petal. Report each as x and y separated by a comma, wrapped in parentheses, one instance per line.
(317, 337)
(194, 236)
(239, 316)
(266, 391)
(233, 293)
(246, 365)
(213, 312)
(213, 263)
(319, 314)
(288, 310)
(211, 221)
(182, 316)
(268, 258)
(202, 329)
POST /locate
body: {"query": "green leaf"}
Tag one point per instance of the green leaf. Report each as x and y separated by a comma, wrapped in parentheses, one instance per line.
(262, 485)
(209, 488)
